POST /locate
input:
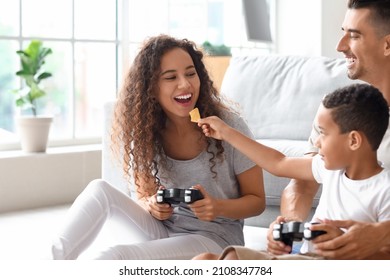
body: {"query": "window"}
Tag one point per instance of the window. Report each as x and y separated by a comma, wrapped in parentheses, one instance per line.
(93, 43)
(83, 63)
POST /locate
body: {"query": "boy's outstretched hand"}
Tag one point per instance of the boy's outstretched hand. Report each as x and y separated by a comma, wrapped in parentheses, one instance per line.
(213, 127)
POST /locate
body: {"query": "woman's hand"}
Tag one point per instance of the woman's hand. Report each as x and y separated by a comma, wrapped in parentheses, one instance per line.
(160, 211)
(205, 209)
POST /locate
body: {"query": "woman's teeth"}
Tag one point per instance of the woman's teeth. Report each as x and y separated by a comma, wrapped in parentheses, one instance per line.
(183, 98)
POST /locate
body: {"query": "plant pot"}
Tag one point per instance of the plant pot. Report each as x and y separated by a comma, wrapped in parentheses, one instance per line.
(34, 133)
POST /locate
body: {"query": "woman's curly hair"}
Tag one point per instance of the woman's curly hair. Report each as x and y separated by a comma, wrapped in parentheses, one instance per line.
(139, 119)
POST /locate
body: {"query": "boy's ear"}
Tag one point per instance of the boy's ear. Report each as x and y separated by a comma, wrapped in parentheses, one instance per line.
(387, 45)
(355, 140)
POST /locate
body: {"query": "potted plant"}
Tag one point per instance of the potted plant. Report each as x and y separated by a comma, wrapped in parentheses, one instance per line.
(217, 60)
(216, 50)
(33, 128)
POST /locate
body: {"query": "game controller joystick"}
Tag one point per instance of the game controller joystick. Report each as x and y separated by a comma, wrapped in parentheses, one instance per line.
(288, 232)
(311, 234)
(175, 195)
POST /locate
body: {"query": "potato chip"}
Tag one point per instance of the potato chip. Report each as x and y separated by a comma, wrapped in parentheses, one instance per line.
(194, 114)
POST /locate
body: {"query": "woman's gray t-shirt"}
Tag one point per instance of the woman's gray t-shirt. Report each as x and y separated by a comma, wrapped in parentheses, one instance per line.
(223, 185)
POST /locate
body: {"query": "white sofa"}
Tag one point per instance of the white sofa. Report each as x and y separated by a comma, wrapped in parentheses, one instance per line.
(278, 96)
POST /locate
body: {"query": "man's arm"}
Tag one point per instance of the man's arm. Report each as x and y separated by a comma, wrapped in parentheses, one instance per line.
(297, 198)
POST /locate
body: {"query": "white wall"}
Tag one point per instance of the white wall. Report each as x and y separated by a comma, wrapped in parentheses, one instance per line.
(309, 27)
(46, 179)
(333, 12)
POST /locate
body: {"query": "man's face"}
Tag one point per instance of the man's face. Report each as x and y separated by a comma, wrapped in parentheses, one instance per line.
(362, 46)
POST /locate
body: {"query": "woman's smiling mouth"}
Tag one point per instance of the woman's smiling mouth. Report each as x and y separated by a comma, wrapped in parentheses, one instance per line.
(185, 98)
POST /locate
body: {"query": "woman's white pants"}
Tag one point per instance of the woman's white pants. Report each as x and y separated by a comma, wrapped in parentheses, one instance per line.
(150, 239)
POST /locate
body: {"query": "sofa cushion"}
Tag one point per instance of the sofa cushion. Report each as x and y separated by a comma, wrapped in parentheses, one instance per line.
(279, 95)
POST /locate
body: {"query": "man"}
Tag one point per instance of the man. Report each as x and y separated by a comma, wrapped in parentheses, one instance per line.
(366, 47)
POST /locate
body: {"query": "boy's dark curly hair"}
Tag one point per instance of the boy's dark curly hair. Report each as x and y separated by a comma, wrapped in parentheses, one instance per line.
(139, 119)
(360, 107)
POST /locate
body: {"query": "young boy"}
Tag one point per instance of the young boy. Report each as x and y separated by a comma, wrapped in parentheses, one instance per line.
(352, 122)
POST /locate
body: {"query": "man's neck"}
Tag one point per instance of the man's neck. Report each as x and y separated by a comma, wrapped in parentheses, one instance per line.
(384, 84)
(384, 87)
(386, 92)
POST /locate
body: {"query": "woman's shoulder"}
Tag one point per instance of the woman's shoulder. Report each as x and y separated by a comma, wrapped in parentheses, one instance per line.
(235, 120)
(231, 117)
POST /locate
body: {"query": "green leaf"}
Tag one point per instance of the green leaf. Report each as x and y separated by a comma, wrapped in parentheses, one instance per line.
(44, 75)
(22, 73)
(33, 49)
(45, 52)
(36, 92)
(21, 52)
(20, 102)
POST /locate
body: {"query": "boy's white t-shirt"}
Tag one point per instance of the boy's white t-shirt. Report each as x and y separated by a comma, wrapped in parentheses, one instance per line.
(365, 200)
(384, 149)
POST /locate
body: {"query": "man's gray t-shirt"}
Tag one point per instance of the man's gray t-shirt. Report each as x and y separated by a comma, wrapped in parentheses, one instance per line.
(222, 185)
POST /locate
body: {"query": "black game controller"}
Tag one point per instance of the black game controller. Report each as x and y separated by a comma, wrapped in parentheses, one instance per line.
(294, 231)
(288, 232)
(311, 234)
(175, 196)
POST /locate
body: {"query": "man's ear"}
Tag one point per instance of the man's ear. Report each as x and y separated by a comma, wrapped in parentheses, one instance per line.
(355, 140)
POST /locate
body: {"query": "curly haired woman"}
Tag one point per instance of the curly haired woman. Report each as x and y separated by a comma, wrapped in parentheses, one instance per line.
(162, 148)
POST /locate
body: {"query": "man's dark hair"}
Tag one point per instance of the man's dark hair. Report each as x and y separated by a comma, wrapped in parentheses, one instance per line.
(380, 13)
(360, 107)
